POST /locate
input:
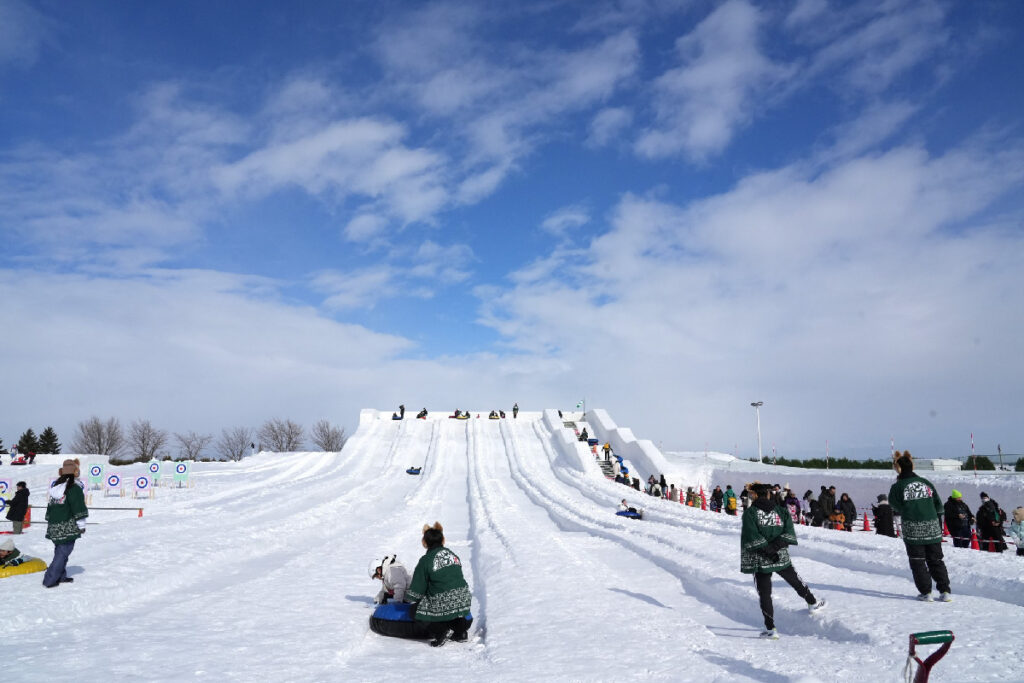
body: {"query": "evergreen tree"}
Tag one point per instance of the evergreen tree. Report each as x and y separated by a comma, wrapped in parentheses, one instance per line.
(1019, 467)
(28, 443)
(48, 442)
(979, 462)
(4, 450)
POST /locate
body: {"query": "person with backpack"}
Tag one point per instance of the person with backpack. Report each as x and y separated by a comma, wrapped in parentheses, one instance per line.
(884, 519)
(730, 500)
(990, 525)
(917, 503)
(766, 534)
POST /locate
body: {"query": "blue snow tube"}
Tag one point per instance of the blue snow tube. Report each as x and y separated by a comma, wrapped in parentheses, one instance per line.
(631, 515)
(395, 619)
(413, 470)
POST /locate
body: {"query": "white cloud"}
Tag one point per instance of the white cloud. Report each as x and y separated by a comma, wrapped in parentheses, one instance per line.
(23, 32)
(565, 219)
(356, 289)
(702, 102)
(608, 124)
(869, 294)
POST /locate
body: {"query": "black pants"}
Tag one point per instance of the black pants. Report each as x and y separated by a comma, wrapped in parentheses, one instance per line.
(439, 629)
(764, 592)
(926, 564)
(961, 536)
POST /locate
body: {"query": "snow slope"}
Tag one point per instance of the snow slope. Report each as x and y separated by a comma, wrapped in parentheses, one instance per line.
(259, 570)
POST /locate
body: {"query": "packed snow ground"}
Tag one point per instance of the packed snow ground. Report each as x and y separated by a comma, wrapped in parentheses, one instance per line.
(259, 571)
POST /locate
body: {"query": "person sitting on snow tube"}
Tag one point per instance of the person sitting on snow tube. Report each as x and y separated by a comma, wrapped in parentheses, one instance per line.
(440, 590)
(422, 415)
(626, 511)
(493, 415)
(414, 470)
(13, 562)
(501, 414)
(393, 577)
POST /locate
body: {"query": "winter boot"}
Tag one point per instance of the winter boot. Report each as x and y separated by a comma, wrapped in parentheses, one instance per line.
(925, 597)
(439, 641)
(816, 606)
(769, 634)
(460, 636)
(945, 597)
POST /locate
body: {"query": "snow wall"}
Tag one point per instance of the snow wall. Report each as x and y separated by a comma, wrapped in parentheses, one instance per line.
(572, 452)
(643, 455)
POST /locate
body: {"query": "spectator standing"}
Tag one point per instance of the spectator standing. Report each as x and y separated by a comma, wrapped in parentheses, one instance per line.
(1017, 530)
(814, 508)
(990, 525)
(730, 500)
(19, 506)
(959, 519)
(849, 510)
(884, 519)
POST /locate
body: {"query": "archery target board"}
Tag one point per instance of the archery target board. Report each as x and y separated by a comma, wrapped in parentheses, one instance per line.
(142, 482)
(113, 481)
(5, 486)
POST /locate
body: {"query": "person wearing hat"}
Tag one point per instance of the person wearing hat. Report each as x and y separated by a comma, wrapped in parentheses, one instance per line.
(990, 525)
(65, 522)
(959, 519)
(883, 517)
(439, 589)
(1017, 530)
(918, 504)
(19, 506)
(9, 555)
(767, 531)
(827, 500)
(393, 577)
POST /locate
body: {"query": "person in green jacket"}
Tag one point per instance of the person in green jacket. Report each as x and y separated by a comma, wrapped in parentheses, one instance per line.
(766, 532)
(65, 522)
(439, 590)
(917, 503)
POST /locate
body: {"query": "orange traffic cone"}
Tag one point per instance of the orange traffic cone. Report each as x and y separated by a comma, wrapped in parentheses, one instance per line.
(974, 540)
(945, 529)
(991, 545)
(28, 518)
(140, 512)
(703, 499)
(867, 525)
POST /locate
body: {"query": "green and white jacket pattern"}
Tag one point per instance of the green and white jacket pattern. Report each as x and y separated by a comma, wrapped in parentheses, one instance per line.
(65, 513)
(439, 587)
(759, 528)
(917, 503)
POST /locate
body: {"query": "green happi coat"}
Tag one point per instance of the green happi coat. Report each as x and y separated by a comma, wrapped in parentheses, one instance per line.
(759, 528)
(918, 504)
(63, 514)
(439, 587)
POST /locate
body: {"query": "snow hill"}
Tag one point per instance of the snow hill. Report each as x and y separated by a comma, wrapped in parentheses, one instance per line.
(259, 571)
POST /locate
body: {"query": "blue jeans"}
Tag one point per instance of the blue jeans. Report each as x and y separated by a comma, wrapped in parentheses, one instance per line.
(57, 571)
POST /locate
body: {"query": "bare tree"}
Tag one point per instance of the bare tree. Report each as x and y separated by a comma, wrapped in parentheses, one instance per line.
(192, 445)
(101, 438)
(144, 440)
(282, 436)
(234, 443)
(327, 437)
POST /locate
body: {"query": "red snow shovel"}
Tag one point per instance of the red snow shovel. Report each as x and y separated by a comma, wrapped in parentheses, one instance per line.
(924, 668)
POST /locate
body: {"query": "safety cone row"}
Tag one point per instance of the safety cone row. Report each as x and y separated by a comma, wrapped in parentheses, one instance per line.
(974, 540)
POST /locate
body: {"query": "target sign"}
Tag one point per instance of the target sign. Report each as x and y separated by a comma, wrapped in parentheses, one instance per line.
(5, 486)
(181, 468)
(113, 481)
(95, 470)
(154, 467)
(141, 483)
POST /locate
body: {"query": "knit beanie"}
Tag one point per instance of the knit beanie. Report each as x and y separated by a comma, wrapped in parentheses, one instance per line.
(956, 494)
(7, 545)
(69, 467)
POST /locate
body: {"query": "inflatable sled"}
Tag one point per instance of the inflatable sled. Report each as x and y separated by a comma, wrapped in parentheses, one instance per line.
(414, 470)
(493, 417)
(631, 515)
(29, 566)
(460, 417)
(394, 416)
(395, 619)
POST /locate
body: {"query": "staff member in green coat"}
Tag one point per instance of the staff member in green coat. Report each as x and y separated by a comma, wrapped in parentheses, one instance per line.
(767, 531)
(439, 590)
(65, 522)
(917, 502)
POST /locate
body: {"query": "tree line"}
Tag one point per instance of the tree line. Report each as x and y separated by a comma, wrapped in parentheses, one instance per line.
(143, 442)
(979, 462)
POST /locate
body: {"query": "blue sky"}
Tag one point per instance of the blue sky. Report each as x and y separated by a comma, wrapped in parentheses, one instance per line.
(214, 214)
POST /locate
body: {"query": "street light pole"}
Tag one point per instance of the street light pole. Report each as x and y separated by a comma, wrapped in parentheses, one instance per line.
(757, 409)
